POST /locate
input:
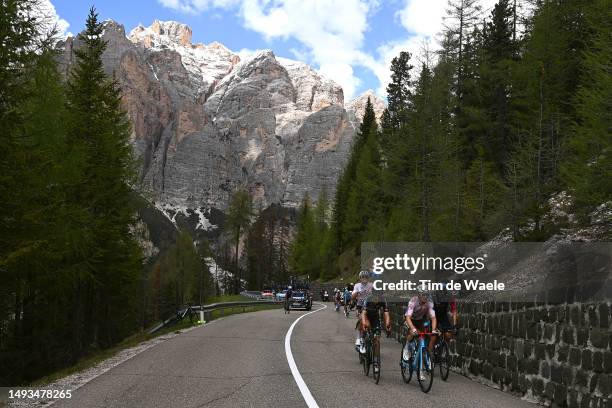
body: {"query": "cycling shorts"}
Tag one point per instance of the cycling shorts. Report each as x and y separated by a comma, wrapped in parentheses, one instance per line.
(444, 324)
(374, 318)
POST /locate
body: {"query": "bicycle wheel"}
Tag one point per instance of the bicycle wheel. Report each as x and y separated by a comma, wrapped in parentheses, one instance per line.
(443, 360)
(425, 370)
(376, 361)
(405, 366)
(367, 358)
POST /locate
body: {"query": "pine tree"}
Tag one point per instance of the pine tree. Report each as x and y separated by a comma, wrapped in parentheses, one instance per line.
(324, 239)
(398, 92)
(499, 53)
(18, 33)
(303, 251)
(363, 195)
(346, 181)
(464, 14)
(238, 220)
(588, 170)
(98, 136)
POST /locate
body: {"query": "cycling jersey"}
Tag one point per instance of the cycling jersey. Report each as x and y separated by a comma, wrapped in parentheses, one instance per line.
(372, 305)
(376, 301)
(347, 296)
(442, 309)
(363, 291)
(417, 311)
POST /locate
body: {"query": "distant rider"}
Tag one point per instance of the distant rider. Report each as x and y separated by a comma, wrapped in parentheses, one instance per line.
(337, 299)
(361, 291)
(347, 299)
(288, 295)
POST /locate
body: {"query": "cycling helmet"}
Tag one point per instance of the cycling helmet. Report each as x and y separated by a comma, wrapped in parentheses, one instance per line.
(364, 275)
(422, 292)
(289, 287)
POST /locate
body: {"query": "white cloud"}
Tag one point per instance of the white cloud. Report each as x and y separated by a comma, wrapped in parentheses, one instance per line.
(197, 6)
(426, 17)
(49, 19)
(422, 17)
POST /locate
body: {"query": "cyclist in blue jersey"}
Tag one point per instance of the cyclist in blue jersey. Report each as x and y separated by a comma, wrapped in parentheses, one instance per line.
(347, 300)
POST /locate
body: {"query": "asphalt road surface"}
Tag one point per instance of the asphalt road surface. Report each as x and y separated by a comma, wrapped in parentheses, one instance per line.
(241, 361)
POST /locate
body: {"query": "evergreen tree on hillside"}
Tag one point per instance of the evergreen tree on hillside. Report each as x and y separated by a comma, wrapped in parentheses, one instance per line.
(18, 33)
(304, 249)
(545, 84)
(499, 55)
(45, 229)
(325, 238)
(238, 220)
(588, 170)
(346, 182)
(98, 136)
(463, 16)
(398, 92)
(363, 196)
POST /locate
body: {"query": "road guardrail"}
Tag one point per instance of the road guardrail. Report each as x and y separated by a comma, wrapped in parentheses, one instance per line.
(207, 311)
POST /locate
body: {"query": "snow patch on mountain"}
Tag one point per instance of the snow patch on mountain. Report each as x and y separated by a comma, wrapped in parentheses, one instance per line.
(204, 223)
(171, 211)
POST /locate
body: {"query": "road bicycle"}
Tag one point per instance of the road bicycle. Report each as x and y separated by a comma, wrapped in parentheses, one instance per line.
(371, 358)
(441, 354)
(419, 361)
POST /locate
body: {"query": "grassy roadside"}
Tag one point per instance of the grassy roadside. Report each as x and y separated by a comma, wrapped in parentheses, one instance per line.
(134, 340)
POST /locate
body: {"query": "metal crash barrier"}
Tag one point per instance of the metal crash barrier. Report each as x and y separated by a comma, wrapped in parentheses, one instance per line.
(204, 313)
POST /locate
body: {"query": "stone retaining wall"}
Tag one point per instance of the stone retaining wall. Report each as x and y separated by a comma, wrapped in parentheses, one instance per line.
(555, 354)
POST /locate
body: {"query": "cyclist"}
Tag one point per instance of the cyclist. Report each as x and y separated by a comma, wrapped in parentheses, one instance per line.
(337, 299)
(288, 296)
(420, 309)
(361, 291)
(445, 305)
(346, 295)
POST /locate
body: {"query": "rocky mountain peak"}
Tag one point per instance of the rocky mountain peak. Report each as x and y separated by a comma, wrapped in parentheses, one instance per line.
(357, 105)
(162, 33)
(111, 26)
(206, 64)
(313, 92)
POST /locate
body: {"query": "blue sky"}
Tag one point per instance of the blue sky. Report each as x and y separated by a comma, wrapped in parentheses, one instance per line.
(349, 41)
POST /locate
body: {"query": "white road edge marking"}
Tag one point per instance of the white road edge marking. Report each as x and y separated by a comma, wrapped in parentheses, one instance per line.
(310, 401)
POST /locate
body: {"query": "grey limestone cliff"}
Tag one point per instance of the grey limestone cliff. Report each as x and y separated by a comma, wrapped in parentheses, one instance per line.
(206, 122)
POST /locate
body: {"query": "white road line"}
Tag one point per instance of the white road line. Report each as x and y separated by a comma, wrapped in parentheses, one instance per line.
(310, 401)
